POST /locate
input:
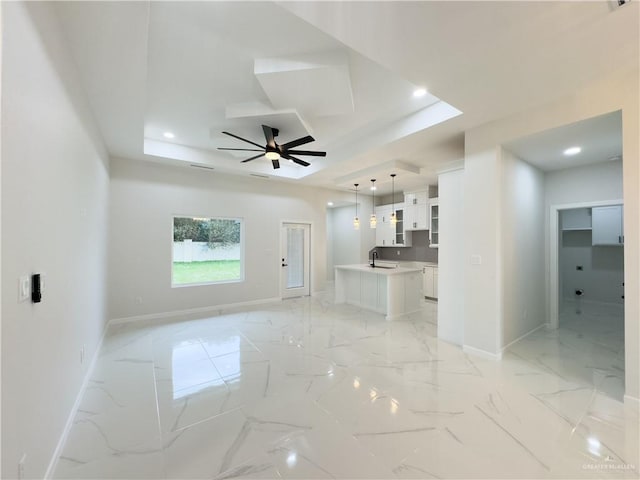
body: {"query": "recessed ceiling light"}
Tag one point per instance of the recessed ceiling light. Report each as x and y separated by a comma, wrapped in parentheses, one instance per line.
(168, 135)
(419, 92)
(572, 151)
(330, 204)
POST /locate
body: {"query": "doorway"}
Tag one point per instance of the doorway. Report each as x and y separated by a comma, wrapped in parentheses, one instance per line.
(587, 295)
(295, 254)
(576, 230)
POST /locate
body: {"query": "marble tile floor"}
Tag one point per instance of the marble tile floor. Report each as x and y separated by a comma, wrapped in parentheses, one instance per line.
(588, 347)
(307, 389)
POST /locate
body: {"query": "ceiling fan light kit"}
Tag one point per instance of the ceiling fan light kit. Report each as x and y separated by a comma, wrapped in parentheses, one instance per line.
(273, 151)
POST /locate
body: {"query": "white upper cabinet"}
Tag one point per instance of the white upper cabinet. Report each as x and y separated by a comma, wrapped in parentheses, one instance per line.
(386, 235)
(416, 211)
(416, 198)
(606, 223)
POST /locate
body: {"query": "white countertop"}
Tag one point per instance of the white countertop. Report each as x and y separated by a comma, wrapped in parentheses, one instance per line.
(417, 262)
(379, 270)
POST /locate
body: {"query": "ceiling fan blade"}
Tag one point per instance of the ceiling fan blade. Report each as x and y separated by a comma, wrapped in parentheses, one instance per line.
(242, 149)
(268, 134)
(308, 152)
(299, 141)
(296, 160)
(243, 139)
(276, 164)
(252, 158)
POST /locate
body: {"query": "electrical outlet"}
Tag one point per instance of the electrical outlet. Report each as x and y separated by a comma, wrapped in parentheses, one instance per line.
(579, 267)
(398, 252)
(24, 288)
(21, 463)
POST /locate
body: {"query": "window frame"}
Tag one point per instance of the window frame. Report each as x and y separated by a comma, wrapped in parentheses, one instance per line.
(216, 282)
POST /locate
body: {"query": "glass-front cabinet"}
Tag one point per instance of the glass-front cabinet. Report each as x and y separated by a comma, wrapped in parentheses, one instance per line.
(388, 235)
(399, 240)
(433, 223)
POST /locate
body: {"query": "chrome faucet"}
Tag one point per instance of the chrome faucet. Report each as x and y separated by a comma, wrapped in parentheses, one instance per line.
(374, 255)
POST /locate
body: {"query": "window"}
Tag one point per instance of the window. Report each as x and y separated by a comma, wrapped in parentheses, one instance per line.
(207, 250)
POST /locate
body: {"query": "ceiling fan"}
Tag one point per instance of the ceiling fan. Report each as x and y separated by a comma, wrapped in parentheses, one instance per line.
(273, 151)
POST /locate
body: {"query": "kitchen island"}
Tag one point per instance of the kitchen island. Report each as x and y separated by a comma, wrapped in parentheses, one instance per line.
(392, 291)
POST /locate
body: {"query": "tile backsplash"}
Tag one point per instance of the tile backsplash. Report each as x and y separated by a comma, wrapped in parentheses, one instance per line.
(418, 252)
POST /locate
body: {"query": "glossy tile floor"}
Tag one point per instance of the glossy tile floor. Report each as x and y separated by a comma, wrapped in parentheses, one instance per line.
(587, 348)
(308, 389)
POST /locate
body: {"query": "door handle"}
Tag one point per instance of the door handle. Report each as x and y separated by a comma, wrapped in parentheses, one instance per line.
(285, 264)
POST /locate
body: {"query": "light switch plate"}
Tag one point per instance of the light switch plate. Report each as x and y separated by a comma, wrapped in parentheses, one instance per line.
(24, 288)
(476, 260)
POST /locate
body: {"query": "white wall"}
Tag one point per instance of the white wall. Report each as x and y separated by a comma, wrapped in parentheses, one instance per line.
(592, 183)
(145, 196)
(482, 249)
(504, 289)
(451, 257)
(346, 244)
(523, 267)
(54, 204)
(602, 271)
(1, 297)
(619, 91)
(345, 240)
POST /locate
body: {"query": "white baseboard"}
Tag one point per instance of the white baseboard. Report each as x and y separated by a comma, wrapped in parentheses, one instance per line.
(633, 402)
(76, 405)
(190, 311)
(481, 353)
(521, 337)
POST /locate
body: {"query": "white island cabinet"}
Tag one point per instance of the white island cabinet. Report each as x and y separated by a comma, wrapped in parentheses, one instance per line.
(392, 291)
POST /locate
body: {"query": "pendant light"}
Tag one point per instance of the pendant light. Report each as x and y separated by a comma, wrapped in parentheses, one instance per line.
(373, 221)
(356, 220)
(394, 219)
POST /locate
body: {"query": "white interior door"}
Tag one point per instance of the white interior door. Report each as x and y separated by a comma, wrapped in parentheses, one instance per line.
(295, 256)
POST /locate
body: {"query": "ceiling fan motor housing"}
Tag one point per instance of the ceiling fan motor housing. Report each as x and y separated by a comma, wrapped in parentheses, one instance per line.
(273, 151)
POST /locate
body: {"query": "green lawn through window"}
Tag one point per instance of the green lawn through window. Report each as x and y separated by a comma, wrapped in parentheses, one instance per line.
(205, 272)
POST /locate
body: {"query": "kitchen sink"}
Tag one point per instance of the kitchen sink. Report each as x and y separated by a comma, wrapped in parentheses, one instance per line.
(383, 266)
